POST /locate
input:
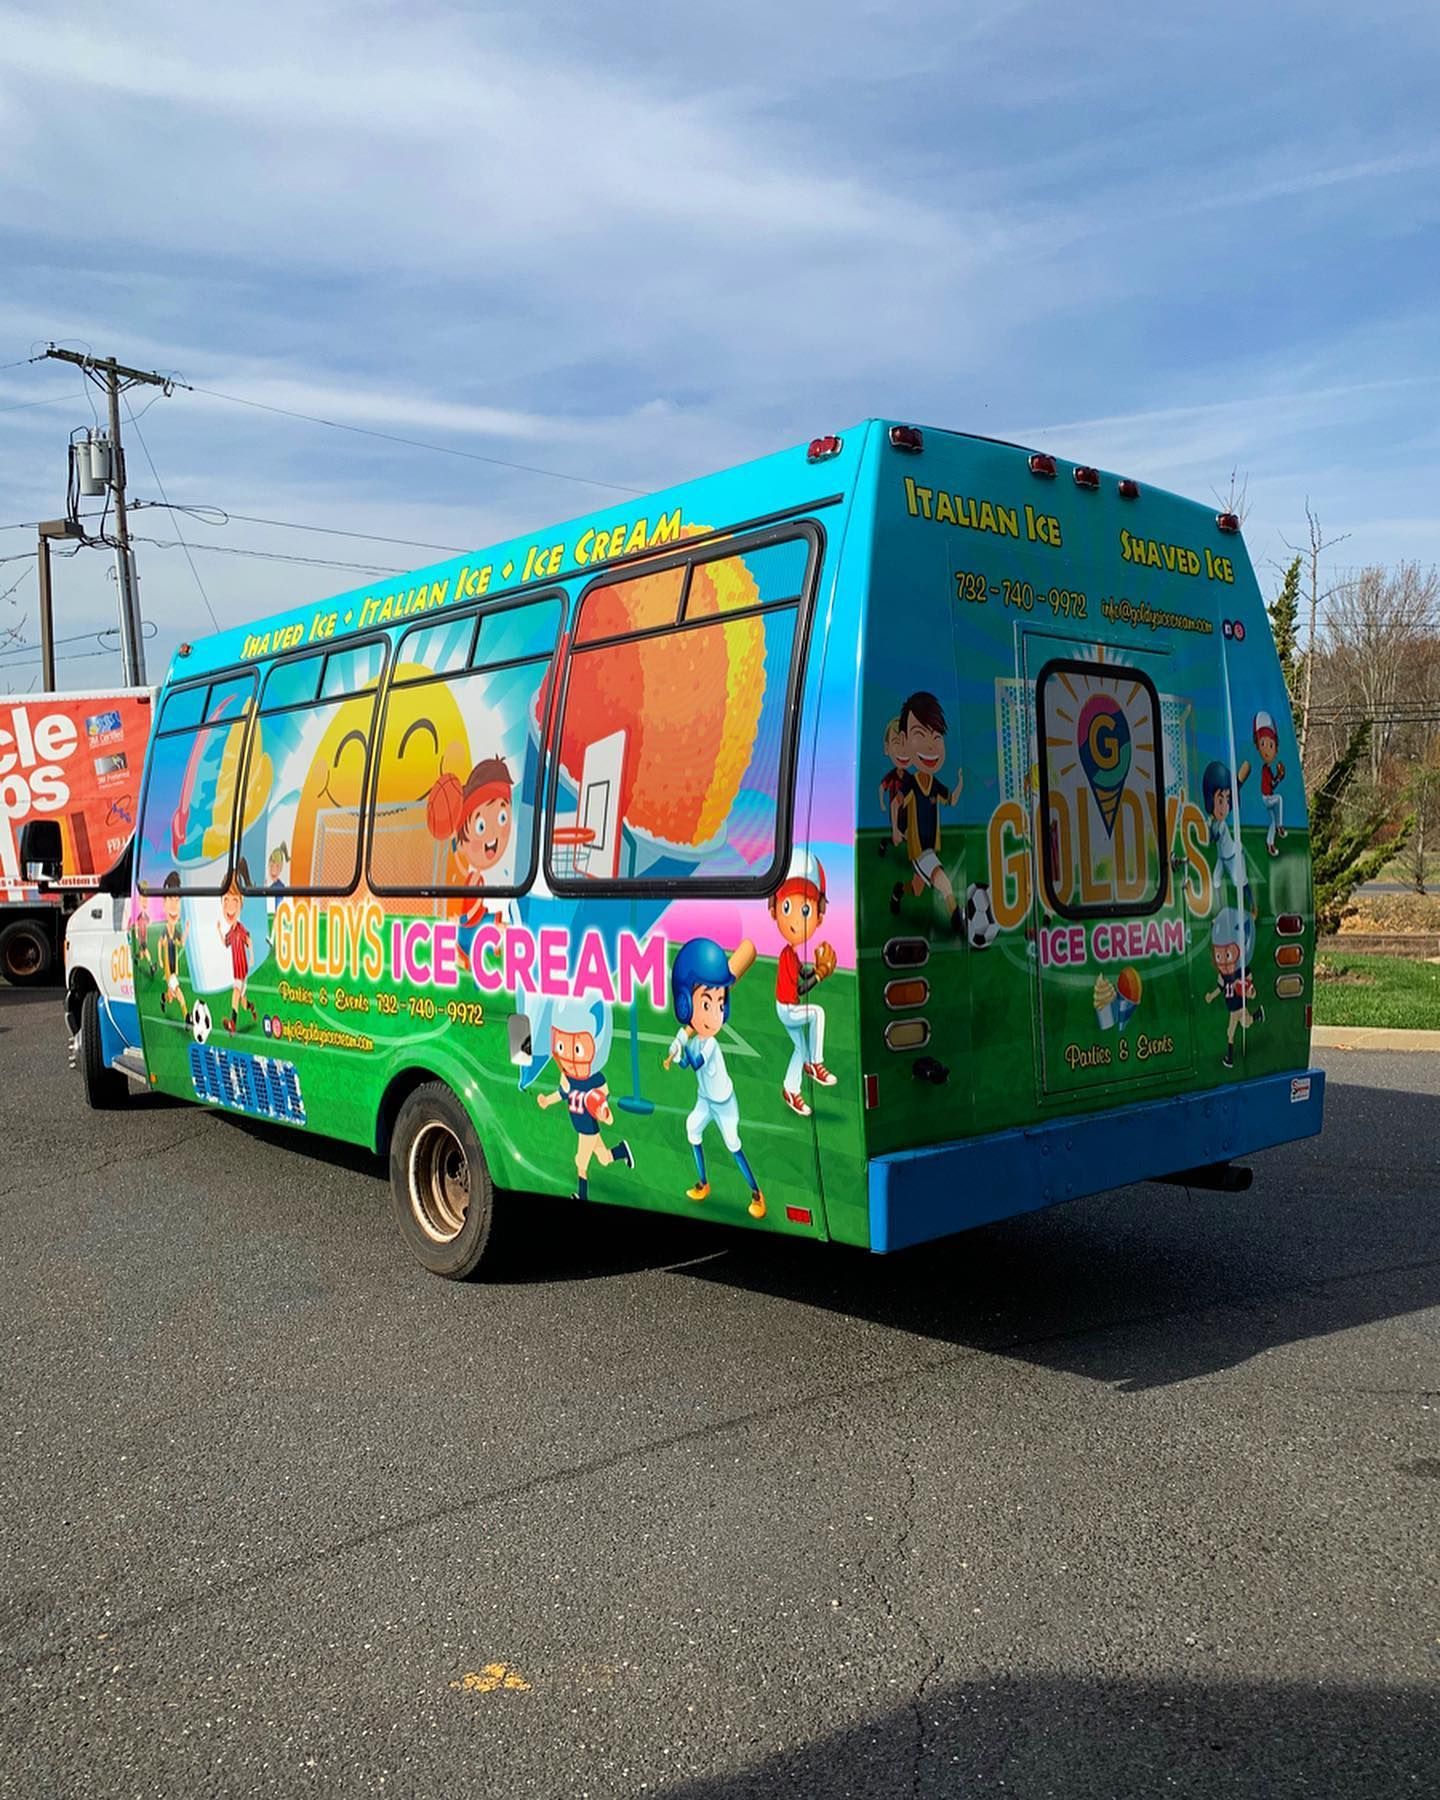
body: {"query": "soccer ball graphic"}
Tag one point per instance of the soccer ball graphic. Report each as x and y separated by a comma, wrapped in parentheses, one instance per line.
(980, 926)
(200, 1021)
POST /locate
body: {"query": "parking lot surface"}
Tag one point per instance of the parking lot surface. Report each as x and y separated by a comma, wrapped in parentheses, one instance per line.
(1135, 1496)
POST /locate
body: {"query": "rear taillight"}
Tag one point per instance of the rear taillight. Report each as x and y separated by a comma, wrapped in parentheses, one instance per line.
(1086, 477)
(907, 437)
(1290, 925)
(1042, 464)
(1289, 956)
(823, 448)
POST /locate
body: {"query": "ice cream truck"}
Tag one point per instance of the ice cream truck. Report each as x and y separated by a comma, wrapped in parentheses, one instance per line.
(869, 842)
(70, 768)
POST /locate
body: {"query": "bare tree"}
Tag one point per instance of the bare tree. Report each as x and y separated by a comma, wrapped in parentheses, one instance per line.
(1383, 660)
(1312, 552)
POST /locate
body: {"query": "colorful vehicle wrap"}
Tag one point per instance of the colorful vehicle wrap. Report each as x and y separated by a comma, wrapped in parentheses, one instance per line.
(853, 844)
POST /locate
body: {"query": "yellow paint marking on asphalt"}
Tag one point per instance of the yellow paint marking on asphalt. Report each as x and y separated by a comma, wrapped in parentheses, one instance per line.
(492, 1677)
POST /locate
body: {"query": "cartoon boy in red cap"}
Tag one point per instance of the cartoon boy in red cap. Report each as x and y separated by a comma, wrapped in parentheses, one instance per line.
(797, 907)
(1272, 773)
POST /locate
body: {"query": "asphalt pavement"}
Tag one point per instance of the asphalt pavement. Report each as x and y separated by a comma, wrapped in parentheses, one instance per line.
(1136, 1496)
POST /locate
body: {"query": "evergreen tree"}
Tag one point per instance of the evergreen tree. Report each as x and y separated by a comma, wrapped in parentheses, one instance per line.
(1344, 854)
(1284, 612)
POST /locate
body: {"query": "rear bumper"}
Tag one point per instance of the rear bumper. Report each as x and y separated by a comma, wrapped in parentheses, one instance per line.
(916, 1195)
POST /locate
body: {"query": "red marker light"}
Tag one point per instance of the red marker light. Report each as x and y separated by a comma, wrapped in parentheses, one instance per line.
(1042, 464)
(1129, 490)
(1228, 521)
(906, 437)
(1086, 477)
(1239, 632)
(1309, 1017)
(824, 447)
(872, 1091)
(798, 1215)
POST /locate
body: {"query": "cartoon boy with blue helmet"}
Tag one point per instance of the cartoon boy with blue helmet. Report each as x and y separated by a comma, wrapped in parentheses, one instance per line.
(1219, 789)
(579, 1033)
(1232, 944)
(700, 981)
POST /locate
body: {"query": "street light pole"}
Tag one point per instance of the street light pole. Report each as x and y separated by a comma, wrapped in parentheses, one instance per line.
(50, 528)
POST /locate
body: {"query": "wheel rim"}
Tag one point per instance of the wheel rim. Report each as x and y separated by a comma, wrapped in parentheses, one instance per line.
(439, 1183)
(23, 955)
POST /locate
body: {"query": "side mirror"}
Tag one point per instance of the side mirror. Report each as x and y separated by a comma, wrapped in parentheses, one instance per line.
(41, 856)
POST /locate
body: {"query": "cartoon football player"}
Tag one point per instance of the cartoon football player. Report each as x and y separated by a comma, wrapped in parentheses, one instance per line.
(892, 781)
(580, 1033)
(700, 981)
(478, 819)
(170, 943)
(236, 940)
(1272, 773)
(797, 906)
(1219, 794)
(1232, 943)
(917, 813)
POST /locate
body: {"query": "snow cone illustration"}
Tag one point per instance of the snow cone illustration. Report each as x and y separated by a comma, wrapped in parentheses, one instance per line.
(1127, 995)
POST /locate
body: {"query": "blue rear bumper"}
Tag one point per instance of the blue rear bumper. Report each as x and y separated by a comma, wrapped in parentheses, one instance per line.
(916, 1195)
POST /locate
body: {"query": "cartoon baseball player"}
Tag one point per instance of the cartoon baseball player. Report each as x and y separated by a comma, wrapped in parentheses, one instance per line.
(797, 906)
(236, 940)
(1219, 793)
(170, 943)
(1232, 943)
(1272, 773)
(580, 1032)
(917, 813)
(700, 981)
(479, 820)
(893, 780)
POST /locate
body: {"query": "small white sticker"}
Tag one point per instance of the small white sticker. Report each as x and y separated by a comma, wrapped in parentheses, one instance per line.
(1299, 1089)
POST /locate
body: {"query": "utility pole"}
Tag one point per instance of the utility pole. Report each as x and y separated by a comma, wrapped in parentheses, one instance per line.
(115, 377)
(50, 528)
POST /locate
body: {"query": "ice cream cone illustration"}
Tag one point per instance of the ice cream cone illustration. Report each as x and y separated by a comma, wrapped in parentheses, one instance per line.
(1104, 998)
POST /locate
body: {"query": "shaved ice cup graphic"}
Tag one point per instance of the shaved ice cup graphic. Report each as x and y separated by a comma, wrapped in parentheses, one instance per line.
(1127, 996)
(1102, 738)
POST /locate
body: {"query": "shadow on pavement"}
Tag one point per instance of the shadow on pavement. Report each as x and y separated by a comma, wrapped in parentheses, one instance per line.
(1067, 1738)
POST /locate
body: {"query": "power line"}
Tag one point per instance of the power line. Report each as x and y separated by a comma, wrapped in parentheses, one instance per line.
(54, 400)
(161, 485)
(389, 437)
(311, 562)
(224, 517)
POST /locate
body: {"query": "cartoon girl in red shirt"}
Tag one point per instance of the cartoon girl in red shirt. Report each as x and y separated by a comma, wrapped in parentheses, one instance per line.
(236, 940)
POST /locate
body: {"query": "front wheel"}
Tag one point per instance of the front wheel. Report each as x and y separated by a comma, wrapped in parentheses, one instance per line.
(105, 1088)
(444, 1198)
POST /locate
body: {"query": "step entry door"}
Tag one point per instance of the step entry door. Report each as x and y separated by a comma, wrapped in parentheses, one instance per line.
(1111, 752)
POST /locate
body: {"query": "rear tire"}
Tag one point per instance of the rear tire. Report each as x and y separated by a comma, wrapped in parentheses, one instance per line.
(26, 953)
(444, 1198)
(105, 1088)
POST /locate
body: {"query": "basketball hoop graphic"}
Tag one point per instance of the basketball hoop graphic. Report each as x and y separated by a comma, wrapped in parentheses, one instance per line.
(570, 847)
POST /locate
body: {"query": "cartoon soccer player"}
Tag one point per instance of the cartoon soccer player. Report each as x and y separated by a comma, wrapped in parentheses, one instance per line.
(917, 814)
(700, 981)
(1272, 773)
(893, 780)
(478, 819)
(797, 906)
(1232, 943)
(1219, 793)
(580, 1033)
(236, 940)
(140, 937)
(171, 942)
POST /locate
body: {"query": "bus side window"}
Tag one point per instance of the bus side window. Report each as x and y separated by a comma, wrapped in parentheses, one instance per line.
(460, 763)
(676, 743)
(193, 773)
(306, 774)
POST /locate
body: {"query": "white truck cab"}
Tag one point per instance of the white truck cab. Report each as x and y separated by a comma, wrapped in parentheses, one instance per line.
(100, 1009)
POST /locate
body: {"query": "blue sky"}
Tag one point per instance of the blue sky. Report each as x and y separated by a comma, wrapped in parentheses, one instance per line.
(635, 244)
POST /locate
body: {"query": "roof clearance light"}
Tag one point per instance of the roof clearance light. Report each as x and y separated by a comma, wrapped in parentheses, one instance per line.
(823, 448)
(906, 437)
(1129, 490)
(1086, 477)
(1228, 521)
(1042, 464)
